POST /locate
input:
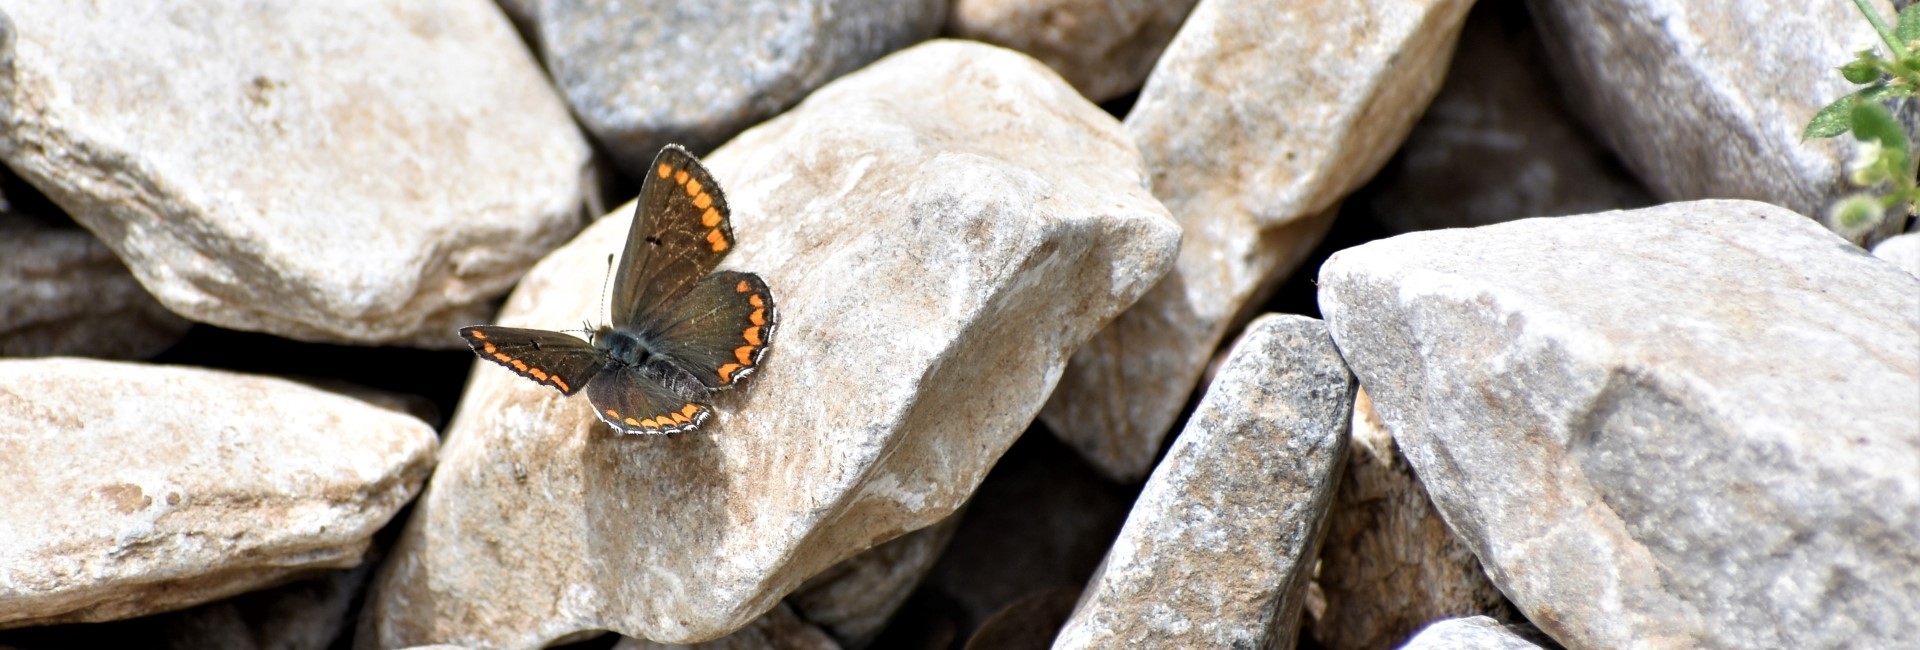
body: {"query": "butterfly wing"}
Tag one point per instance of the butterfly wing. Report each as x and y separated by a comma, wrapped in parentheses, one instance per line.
(681, 230)
(719, 330)
(632, 403)
(551, 358)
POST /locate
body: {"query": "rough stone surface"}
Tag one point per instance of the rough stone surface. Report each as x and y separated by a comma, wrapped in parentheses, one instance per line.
(307, 614)
(1222, 541)
(1474, 633)
(1103, 47)
(273, 170)
(1684, 426)
(63, 293)
(1390, 565)
(1708, 100)
(1498, 143)
(644, 73)
(853, 600)
(939, 231)
(1258, 119)
(1902, 251)
(779, 629)
(188, 486)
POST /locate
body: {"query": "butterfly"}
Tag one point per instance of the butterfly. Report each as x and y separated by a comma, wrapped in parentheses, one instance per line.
(680, 329)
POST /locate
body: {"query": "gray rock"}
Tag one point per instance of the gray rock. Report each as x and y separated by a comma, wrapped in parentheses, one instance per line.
(1103, 47)
(1902, 251)
(307, 614)
(778, 629)
(1222, 541)
(273, 170)
(1389, 564)
(853, 600)
(63, 293)
(644, 73)
(1685, 426)
(1258, 119)
(934, 260)
(1498, 143)
(187, 486)
(1708, 99)
(1472, 633)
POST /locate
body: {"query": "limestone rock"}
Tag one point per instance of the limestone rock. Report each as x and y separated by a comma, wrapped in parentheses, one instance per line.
(1103, 47)
(1474, 633)
(853, 600)
(1902, 251)
(1390, 565)
(273, 169)
(161, 487)
(1685, 426)
(939, 231)
(1498, 143)
(1707, 100)
(63, 293)
(1258, 119)
(779, 629)
(1221, 543)
(644, 73)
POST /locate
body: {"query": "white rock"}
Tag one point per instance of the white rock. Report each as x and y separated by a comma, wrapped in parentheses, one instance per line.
(779, 629)
(1258, 119)
(273, 169)
(1222, 541)
(1103, 47)
(1686, 426)
(1902, 251)
(939, 231)
(158, 487)
(1472, 633)
(1709, 99)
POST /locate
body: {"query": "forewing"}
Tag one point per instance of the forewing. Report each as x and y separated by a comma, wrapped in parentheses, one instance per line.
(681, 230)
(720, 329)
(634, 404)
(551, 358)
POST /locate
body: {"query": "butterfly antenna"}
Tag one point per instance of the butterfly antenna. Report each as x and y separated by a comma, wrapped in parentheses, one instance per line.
(604, 298)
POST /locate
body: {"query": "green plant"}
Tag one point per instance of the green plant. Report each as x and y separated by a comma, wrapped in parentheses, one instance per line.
(1884, 155)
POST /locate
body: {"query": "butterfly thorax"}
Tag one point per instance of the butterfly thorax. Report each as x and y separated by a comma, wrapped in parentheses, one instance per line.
(636, 351)
(622, 346)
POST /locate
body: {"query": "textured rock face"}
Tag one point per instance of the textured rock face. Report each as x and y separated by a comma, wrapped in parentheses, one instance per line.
(63, 293)
(1902, 251)
(1257, 120)
(779, 629)
(939, 230)
(854, 599)
(645, 73)
(186, 486)
(1657, 428)
(273, 170)
(1715, 133)
(1221, 543)
(1390, 566)
(1475, 633)
(1103, 47)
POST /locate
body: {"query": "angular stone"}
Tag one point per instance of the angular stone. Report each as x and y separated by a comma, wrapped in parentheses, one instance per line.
(1475, 633)
(1222, 541)
(778, 629)
(1902, 251)
(63, 293)
(934, 264)
(1103, 47)
(1258, 119)
(1708, 99)
(187, 486)
(1498, 143)
(1390, 566)
(853, 600)
(645, 73)
(274, 170)
(1685, 426)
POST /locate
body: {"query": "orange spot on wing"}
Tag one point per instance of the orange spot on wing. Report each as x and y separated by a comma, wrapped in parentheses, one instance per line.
(756, 301)
(718, 240)
(538, 374)
(502, 357)
(752, 335)
(478, 334)
(520, 365)
(665, 170)
(711, 218)
(758, 317)
(651, 424)
(745, 354)
(703, 200)
(631, 422)
(612, 413)
(689, 409)
(742, 287)
(489, 347)
(726, 372)
(680, 419)
(680, 177)
(693, 187)
(563, 385)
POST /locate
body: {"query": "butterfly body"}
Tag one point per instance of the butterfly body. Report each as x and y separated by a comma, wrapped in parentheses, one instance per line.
(680, 329)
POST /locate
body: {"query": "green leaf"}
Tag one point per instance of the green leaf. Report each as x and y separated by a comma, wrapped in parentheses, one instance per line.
(1832, 120)
(1865, 69)
(1872, 122)
(1909, 28)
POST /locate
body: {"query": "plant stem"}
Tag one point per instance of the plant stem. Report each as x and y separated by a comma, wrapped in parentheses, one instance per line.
(1880, 25)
